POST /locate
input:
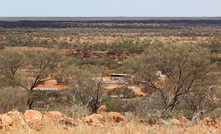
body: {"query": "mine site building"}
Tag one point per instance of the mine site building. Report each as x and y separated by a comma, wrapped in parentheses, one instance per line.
(119, 76)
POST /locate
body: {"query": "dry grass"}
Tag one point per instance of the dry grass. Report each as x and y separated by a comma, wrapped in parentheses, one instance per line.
(131, 127)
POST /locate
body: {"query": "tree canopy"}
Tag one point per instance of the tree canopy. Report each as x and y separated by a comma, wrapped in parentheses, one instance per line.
(28, 69)
(184, 68)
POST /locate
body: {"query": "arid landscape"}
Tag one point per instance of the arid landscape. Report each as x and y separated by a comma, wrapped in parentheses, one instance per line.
(119, 75)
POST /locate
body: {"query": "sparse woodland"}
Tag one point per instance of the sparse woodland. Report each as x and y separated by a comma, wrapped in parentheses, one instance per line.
(79, 53)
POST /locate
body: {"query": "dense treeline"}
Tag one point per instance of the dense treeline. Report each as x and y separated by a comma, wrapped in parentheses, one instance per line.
(170, 24)
(68, 31)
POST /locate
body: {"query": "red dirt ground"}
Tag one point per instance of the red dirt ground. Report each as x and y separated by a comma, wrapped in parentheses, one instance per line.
(53, 84)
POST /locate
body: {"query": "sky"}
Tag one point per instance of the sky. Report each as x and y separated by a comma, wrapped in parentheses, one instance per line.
(110, 8)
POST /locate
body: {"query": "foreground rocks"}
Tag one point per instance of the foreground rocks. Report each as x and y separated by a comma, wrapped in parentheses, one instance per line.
(56, 116)
(94, 119)
(34, 121)
(98, 119)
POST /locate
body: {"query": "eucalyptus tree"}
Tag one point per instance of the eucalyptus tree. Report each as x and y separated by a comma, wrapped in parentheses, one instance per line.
(12, 62)
(86, 86)
(185, 68)
(28, 69)
(41, 65)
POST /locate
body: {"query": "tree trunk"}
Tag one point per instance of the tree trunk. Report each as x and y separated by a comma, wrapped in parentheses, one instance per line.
(95, 107)
(30, 103)
(30, 99)
(94, 110)
(198, 115)
(172, 104)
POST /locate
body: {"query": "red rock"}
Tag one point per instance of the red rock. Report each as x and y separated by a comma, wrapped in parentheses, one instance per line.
(33, 116)
(6, 122)
(216, 126)
(175, 122)
(92, 119)
(34, 119)
(183, 120)
(17, 117)
(11, 120)
(116, 116)
(56, 116)
(209, 121)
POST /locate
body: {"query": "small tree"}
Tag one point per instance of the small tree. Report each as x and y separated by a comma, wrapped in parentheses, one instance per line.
(12, 61)
(147, 89)
(28, 69)
(125, 91)
(14, 40)
(186, 68)
(11, 99)
(202, 100)
(85, 87)
(42, 64)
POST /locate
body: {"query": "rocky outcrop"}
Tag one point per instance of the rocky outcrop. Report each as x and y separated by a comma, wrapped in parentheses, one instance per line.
(93, 119)
(180, 121)
(117, 117)
(98, 119)
(34, 119)
(12, 119)
(17, 117)
(56, 116)
(209, 121)
(6, 122)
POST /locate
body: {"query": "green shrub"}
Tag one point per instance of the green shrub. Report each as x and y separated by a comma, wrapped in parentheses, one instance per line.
(11, 99)
(14, 40)
(109, 102)
(172, 114)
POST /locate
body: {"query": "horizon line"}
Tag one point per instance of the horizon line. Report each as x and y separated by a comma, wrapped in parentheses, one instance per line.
(110, 16)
